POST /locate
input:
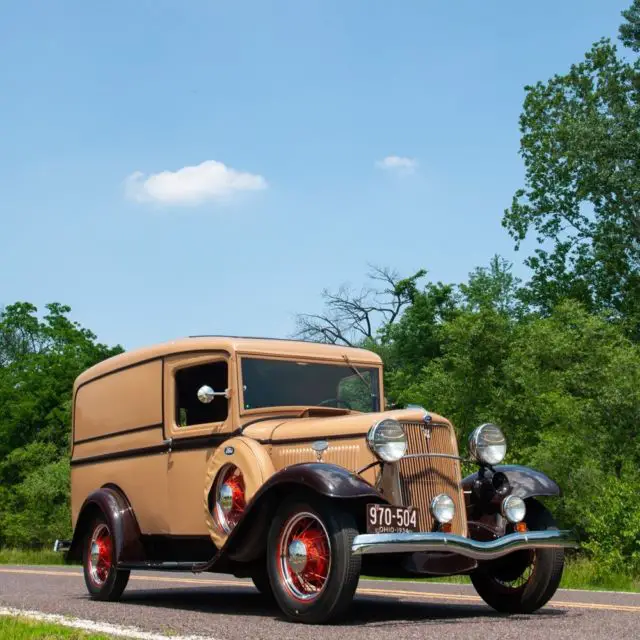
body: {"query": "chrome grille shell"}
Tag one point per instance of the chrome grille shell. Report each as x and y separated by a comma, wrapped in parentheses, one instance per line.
(422, 478)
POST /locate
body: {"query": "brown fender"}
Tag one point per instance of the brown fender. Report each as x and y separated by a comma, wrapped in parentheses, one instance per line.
(115, 507)
(248, 540)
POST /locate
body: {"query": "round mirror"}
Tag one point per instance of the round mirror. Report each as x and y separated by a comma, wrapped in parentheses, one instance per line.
(206, 394)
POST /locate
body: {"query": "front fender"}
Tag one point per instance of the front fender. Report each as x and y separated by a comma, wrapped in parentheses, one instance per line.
(330, 480)
(247, 541)
(525, 482)
(110, 502)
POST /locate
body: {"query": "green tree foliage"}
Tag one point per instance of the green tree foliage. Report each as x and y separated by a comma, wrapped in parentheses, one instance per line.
(630, 28)
(581, 148)
(39, 360)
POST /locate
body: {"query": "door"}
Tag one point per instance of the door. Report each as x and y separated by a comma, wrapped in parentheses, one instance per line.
(196, 428)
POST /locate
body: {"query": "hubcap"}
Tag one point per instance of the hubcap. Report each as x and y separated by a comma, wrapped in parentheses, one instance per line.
(305, 556)
(297, 556)
(100, 555)
(226, 498)
(230, 498)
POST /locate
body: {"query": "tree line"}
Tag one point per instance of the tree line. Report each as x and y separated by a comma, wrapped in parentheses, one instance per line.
(555, 360)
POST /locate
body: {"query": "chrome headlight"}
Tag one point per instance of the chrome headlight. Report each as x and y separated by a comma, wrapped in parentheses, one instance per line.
(443, 508)
(514, 509)
(387, 440)
(487, 444)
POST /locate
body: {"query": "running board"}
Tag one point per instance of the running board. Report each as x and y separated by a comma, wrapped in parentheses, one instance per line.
(158, 566)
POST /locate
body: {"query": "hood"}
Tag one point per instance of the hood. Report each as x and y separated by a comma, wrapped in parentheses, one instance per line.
(326, 426)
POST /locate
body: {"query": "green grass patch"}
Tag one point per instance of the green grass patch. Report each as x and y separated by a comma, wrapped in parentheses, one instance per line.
(15, 628)
(578, 573)
(586, 574)
(30, 556)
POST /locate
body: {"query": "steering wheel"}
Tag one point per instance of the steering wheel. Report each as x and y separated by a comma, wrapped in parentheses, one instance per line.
(336, 400)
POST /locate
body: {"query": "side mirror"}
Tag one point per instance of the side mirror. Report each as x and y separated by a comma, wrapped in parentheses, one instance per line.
(206, 394)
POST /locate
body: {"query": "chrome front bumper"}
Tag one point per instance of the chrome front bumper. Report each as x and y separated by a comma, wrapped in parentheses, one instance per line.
(415, 542)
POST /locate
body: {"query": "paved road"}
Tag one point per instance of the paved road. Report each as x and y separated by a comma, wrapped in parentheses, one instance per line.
(224, 607)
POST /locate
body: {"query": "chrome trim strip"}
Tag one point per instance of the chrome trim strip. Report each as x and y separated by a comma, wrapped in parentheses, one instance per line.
(408, 456)
(476, 549)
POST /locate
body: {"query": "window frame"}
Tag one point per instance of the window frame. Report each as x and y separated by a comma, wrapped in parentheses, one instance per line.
(187, 361)
(292, 358)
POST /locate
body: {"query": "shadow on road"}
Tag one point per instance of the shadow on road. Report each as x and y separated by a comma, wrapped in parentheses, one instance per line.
(366, 610)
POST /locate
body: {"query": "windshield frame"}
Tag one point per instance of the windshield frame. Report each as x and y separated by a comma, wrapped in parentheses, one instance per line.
(298, 408)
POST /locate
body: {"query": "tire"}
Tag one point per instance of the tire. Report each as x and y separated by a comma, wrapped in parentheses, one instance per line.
(524, 581)
(103, 580)
(262, 584)
(317, 585)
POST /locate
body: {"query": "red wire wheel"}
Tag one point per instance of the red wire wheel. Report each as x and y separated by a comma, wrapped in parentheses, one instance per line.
(230, 501)
(304, 552)
(100, 555)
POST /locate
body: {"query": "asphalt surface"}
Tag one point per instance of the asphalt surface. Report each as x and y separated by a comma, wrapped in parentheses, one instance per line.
(223, 607)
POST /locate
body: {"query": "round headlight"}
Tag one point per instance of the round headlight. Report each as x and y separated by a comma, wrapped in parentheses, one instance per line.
(514, 509)
(387, 440)
(487, 444)
(443, 508)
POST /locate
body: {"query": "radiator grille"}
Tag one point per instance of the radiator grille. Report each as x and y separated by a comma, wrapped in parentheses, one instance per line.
(421, 479)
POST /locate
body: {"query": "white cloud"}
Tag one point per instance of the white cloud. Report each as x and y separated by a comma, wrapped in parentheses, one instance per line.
(210, 180)
(397, 163)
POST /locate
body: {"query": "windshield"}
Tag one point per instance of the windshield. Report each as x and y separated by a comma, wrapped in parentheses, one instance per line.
(285, 383)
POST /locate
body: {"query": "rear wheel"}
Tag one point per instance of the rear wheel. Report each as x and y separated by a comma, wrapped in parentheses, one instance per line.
(103, 580)
(523, 581)
(311, 568)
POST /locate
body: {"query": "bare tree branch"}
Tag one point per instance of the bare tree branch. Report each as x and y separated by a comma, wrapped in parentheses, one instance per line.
(354, 317)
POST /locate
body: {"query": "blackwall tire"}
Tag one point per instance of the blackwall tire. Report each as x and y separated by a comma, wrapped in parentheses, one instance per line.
(545, 567)
(319, 589)
(261, 582)
(103, 580)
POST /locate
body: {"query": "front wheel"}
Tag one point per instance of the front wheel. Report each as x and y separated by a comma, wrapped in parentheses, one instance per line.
(312, 571)
(104, 581)
(260, 579)
(523, 581)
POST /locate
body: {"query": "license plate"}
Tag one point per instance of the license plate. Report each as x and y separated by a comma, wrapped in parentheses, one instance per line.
(385, 518)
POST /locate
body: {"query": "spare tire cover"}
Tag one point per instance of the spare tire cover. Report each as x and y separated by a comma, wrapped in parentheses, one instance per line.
(255, 464)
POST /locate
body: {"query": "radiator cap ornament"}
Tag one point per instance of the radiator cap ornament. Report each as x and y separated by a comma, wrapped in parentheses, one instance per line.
(426, 418)
(320, 446)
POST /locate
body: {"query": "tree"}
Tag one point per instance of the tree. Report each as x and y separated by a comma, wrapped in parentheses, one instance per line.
(581, 147)
(630, 29)
(355, 318)
(39, 361)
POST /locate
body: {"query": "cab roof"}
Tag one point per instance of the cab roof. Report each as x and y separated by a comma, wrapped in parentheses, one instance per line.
(230, 344)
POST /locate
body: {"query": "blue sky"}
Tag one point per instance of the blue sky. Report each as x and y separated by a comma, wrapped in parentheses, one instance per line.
(285, 113)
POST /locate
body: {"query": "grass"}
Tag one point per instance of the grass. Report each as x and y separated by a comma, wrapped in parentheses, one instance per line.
(579, 573)
(30, 556)
(15, 628)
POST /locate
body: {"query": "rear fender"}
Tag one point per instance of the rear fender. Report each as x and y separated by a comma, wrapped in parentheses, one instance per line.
(114, 506)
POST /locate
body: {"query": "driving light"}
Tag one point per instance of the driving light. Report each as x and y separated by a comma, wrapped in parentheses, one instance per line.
(514, 509)
(442, 508)
(387, 440)
(487, 444)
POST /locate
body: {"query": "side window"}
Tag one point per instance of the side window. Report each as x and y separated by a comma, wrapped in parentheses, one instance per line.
(189, 410)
